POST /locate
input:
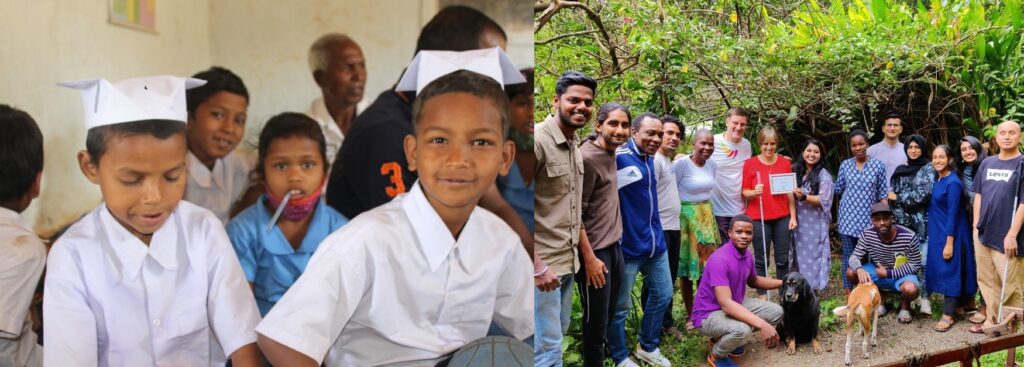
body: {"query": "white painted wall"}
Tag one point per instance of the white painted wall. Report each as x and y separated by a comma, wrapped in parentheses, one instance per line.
(263, 41)
(45, 42)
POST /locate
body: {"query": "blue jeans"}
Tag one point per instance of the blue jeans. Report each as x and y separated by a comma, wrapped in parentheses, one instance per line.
(659, 282)
(551, 314)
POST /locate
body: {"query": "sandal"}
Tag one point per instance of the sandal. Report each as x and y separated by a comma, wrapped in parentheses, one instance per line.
(944, 324)
(904, 317)
(976, 329)
(977, 318)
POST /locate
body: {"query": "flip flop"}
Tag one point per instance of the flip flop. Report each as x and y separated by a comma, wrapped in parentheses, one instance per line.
(944, 325)
(977, 318)
(904, 317)
(976, 329)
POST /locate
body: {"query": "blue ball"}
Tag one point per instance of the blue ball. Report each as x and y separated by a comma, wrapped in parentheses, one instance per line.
(493, 351)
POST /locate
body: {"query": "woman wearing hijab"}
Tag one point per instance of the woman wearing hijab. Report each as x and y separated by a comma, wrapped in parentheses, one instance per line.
(911, 186)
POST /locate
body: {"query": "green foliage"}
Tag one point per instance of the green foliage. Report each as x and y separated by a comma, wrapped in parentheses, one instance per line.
(813, 69)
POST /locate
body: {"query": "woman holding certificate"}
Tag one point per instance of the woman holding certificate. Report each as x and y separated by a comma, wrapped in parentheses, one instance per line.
(814, 209)
(768, 184)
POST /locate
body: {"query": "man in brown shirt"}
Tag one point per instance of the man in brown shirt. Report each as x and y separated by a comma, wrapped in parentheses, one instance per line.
(602, 223)
(557, 212)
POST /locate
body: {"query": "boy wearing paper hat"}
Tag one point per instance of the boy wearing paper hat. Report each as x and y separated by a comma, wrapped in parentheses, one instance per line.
(145, 278)
(461, 266)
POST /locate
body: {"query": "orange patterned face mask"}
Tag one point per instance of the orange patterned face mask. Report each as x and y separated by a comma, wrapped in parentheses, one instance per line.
(296, 210)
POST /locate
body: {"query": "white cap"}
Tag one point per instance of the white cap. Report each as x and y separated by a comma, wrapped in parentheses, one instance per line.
(430, 65)
(146, 98)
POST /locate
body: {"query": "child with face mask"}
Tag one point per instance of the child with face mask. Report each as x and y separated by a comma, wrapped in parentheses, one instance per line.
(275, 237)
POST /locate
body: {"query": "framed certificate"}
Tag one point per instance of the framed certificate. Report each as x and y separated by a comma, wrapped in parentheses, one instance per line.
(782, 183)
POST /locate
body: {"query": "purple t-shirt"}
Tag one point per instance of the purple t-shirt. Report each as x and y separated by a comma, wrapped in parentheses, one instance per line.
(728, 267)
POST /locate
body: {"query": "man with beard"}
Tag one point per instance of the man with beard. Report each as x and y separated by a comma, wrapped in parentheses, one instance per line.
(643, 243)
(721, 311)
(893, 259)
(668, 207)
(602, 224)
(339, 69)
(557, 212)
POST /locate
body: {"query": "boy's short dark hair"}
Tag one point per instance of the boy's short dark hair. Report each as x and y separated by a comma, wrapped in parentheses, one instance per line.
(516, 90)
(456, 28)
(571, 78)
(21, 151)
(96, 139)
(464, 81)
(217, 79)
(286, 125)
(742, 218)
(892, 115)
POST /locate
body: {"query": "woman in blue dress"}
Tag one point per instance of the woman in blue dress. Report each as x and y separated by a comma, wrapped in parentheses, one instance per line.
(860, 183)
(951, 270)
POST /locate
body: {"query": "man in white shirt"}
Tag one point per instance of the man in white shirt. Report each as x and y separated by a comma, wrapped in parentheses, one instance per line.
(890, 149)
(339, 69)
(24, 255)
(668, 206)
(731, 150)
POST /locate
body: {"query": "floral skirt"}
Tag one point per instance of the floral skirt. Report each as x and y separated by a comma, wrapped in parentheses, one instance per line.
(699, 238)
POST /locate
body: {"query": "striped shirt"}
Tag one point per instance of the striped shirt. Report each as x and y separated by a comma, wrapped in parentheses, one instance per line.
(884, 254)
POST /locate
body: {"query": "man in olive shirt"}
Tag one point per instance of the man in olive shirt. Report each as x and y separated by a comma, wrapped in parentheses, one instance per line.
(557, 212)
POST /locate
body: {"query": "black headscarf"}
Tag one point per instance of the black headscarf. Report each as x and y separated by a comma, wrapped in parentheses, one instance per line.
(978, 150)
(913, 165)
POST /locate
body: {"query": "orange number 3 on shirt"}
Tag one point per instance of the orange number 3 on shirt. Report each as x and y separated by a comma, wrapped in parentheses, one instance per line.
(394, 172)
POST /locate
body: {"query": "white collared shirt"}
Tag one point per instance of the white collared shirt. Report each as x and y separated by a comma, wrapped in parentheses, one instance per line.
(113, 301)
(21, 265)
(394, 287)
(218, 189)
(332, 133)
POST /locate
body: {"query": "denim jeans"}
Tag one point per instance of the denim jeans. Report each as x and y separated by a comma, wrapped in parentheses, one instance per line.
(551, 316)
(656, 275)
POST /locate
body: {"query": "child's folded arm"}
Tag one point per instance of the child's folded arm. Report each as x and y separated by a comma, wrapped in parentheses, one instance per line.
(70, 329)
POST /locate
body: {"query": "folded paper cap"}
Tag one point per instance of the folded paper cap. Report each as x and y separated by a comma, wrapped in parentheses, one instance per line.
(430, 65)
(146, 98)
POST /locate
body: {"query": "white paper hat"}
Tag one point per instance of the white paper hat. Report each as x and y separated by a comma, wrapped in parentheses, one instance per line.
(430, 65)
(146, 98)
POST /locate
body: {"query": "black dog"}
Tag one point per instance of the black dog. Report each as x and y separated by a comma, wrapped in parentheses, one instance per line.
(800, 313)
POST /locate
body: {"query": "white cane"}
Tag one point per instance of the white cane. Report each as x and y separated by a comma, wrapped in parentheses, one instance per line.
(764, 240)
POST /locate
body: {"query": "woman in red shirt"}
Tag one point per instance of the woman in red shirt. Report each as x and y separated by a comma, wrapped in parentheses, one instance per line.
(776, 212)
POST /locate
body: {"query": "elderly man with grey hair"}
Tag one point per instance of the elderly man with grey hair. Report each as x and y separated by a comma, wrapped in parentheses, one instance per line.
(338, 67)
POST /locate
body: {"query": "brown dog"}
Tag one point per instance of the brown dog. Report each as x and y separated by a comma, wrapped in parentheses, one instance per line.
(863, 305)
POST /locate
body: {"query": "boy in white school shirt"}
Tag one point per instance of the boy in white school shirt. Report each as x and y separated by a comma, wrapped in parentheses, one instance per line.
(144, 279)
(412, 281)
(24, 254)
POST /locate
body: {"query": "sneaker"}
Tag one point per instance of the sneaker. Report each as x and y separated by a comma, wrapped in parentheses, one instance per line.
(926, 305)
(721, 362)
(628, 362)
(738, 352)
(653, 357)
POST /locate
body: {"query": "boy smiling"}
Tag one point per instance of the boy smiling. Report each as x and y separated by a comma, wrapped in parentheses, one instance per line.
(416, 279)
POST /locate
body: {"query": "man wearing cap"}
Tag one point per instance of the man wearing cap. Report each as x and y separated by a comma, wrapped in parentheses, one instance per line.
(339, 69)
(997, 234)
(893, 259)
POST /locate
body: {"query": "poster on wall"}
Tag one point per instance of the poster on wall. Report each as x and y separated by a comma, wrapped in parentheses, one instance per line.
(136, 14)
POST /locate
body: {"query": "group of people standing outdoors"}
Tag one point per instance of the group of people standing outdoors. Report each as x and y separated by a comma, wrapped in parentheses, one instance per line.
(914, 217)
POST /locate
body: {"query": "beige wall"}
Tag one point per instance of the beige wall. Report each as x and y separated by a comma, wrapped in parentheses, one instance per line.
(50, 41)
(265, 42)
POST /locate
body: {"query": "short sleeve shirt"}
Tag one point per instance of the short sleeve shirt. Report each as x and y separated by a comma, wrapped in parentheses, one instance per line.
(266, 256)
(726, 267)
(21, 266)
(727, 197)
(668, 193)
(219, 188)
(995, 182)
(558, 205)
(859, 189)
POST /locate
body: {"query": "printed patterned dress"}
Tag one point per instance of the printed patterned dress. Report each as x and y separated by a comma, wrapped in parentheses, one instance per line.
(811, 245)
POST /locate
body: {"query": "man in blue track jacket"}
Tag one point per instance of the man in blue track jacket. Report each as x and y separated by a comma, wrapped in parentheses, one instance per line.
(643, 243)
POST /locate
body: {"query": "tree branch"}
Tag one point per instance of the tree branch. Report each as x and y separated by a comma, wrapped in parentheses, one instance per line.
(558, 37)
(557, 5)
